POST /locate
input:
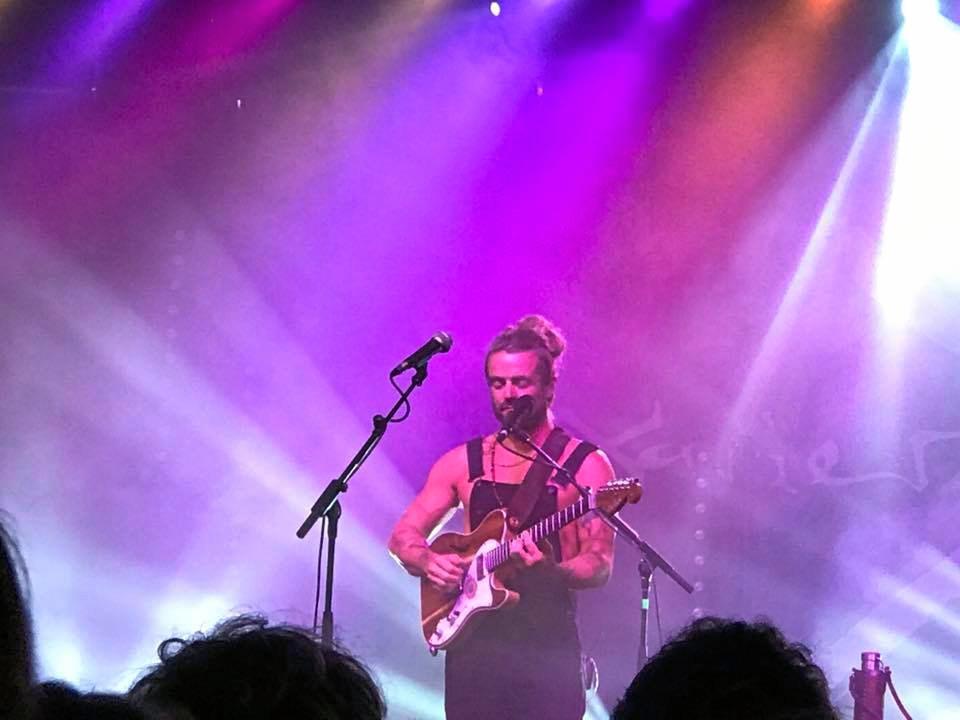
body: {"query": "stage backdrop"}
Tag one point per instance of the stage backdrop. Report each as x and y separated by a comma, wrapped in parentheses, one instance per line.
(222, 224)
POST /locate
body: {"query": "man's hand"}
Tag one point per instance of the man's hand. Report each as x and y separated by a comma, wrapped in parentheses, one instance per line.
(445, 571)
(528, 554)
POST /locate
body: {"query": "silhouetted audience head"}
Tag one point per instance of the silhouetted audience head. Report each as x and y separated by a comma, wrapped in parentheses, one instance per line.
(59, 701)
(717, 669)
(248, 670)
(16, 635)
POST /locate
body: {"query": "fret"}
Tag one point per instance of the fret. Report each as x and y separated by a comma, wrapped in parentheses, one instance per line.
(547, 526)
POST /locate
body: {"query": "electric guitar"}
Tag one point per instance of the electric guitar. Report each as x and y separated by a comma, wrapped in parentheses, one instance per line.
(445, 617)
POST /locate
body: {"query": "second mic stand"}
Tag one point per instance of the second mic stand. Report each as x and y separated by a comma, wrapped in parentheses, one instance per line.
(328, 504)
(650, 559)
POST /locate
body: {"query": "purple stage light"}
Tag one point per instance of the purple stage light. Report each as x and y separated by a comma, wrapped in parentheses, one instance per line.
(662, 10)
(950, 9)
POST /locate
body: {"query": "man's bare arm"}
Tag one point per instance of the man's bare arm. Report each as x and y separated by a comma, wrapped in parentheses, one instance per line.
(592, 565)
(408, 542)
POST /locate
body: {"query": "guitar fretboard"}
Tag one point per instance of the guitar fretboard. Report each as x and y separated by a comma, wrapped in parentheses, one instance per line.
(547, 526)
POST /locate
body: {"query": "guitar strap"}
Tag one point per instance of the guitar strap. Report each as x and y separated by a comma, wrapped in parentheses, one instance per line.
(579, 454)
(475, 458)
(534, 481)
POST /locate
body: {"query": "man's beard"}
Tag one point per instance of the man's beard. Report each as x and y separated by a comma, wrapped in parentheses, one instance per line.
(528, 422)
(533, 419)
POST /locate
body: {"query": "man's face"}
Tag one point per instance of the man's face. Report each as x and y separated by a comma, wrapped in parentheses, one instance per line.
(512, 374)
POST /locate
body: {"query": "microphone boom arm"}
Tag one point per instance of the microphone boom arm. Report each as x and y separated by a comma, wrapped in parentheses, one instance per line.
(339, 485)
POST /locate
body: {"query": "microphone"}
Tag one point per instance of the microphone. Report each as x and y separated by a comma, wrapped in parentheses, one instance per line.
(521, 407)
(439, 343)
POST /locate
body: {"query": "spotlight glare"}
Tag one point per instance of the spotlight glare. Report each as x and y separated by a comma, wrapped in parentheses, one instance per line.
(495, 8)
(913, 10)
(918, 252)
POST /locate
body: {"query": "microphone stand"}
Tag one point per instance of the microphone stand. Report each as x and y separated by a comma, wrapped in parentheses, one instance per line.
(646, 580)
(650, 559)
(568, 477)
(328, 504)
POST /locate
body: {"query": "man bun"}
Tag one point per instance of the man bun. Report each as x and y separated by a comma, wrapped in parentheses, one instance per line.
(549, 334)
(533, 333)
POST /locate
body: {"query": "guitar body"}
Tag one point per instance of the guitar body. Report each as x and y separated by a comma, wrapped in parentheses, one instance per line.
(445, 617)
(485, 585)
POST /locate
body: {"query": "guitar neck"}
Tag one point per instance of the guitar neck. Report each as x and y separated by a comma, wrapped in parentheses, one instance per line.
(538, 531)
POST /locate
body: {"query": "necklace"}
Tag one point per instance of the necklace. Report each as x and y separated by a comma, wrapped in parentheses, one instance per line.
(493, 474)
(493, 469)
(494, 464)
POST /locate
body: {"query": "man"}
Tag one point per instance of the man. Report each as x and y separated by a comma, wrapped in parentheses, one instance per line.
(248, 670)
(717, 669)
(521, 661)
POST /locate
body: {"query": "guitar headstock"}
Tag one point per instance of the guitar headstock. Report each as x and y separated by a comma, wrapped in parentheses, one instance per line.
(615, 494)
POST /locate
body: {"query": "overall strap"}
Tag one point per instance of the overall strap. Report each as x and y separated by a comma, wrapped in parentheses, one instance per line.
(534, 481)
(475, 458)
(579, 454)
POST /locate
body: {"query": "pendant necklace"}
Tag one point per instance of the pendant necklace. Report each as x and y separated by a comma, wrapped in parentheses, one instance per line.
(493, 470)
